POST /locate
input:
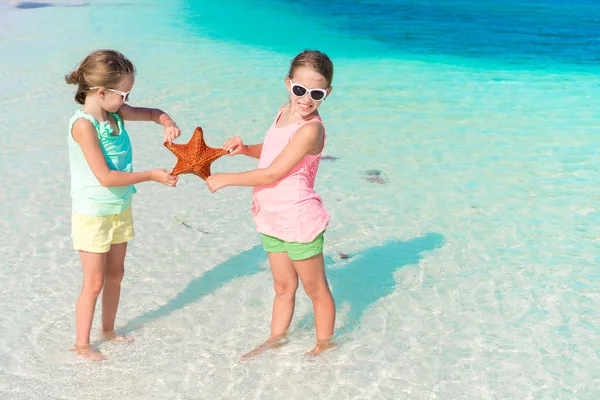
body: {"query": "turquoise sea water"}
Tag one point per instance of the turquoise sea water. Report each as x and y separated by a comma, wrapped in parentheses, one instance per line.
(473, 268)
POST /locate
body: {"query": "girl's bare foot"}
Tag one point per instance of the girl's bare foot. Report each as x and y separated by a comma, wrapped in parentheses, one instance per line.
(89, 353)
(272, 343)
(111, 335)
(320, 347)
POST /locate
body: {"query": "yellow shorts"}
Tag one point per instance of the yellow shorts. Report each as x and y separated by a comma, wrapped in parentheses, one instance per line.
(96, 234)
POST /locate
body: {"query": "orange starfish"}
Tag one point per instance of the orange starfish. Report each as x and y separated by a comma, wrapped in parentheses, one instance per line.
(195, 156)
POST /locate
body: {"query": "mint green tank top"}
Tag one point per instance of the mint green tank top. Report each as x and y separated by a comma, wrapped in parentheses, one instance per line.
(88, 196)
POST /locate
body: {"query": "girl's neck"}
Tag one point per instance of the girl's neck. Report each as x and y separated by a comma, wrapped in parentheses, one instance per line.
(291, 117)
(95, 111)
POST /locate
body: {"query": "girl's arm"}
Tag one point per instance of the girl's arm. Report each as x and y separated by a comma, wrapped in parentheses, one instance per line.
(85, 135)
(308, 139)
(252, 150)
(235, 146)
(160, 117)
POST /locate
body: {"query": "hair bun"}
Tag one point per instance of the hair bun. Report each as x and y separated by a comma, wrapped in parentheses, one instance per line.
(73, 77)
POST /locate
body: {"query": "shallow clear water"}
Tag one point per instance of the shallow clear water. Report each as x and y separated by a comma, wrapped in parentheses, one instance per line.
(473, 270)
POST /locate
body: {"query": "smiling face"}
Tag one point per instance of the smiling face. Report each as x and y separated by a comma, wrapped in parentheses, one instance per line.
(301, 98)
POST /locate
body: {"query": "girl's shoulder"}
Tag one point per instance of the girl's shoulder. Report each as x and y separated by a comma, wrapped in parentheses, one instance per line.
(280, 111)
(82, 115)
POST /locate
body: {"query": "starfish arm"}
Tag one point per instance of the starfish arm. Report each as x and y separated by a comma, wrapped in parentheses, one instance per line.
(178, 149)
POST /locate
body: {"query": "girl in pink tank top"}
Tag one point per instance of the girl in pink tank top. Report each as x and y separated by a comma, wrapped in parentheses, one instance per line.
(288, 212)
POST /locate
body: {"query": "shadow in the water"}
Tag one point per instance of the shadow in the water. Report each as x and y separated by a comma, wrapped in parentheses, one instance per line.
(370, 276)
(359, 283)
(26, 5)
(244, 264)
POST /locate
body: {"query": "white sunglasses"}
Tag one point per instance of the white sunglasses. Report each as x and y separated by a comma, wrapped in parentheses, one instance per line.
(315, 94)
(120, 93)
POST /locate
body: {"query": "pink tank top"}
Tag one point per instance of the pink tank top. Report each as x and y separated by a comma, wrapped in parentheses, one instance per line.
(289, 209)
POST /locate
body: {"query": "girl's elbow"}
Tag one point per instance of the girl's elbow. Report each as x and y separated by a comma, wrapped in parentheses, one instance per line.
(271, 177)
(103, 180)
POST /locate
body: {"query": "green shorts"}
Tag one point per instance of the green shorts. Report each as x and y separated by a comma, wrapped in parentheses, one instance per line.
(296, 251)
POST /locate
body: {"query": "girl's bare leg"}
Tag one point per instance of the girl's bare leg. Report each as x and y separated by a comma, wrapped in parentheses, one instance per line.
(314, 281)
(93, 278)
(285, 283)
(113, 276)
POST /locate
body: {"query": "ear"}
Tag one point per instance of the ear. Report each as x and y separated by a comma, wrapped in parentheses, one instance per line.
(329, 90)
(101, 93)
(287, 83)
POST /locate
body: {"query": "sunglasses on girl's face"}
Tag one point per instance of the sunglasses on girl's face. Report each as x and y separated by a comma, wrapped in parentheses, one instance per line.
(315, 94)
(124, 94)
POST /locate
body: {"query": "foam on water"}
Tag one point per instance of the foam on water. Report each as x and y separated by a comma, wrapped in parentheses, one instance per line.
(472, 270)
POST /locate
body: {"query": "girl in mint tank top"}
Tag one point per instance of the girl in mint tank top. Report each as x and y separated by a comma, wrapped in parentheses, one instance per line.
(102, 185)
(288, 212)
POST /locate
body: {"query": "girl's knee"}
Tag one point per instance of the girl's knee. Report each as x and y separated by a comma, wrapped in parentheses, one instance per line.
(285, 289)
(115, 274)
(317, 290)
(93, 287)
